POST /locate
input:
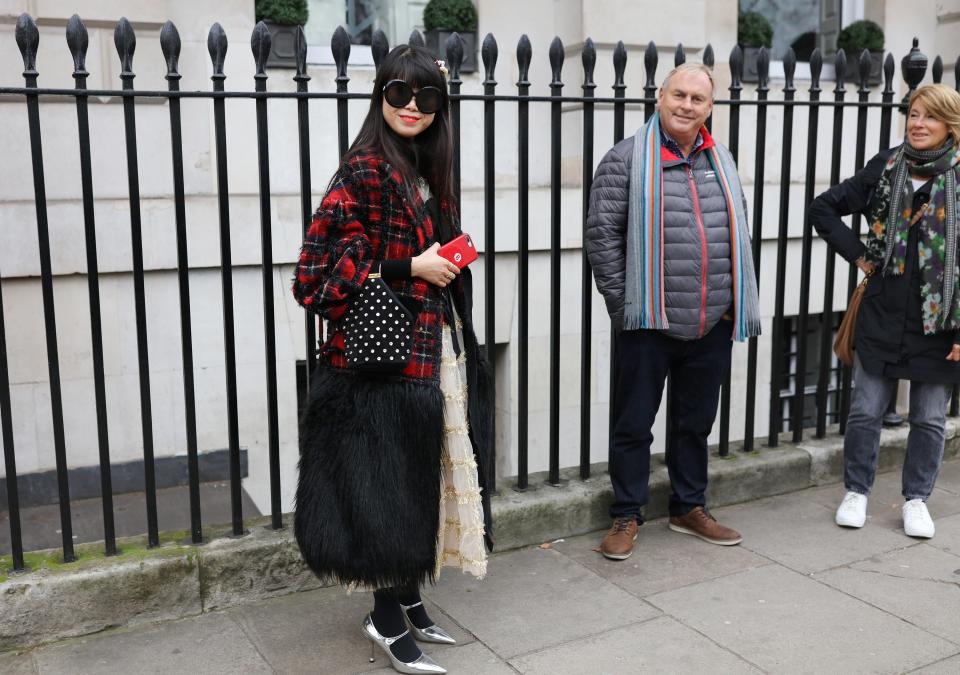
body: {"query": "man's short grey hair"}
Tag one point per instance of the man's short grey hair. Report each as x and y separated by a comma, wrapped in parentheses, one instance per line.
(692, 68)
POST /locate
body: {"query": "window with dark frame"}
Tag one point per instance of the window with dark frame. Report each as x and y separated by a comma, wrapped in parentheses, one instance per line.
(796, 23)
(361, 18)
(788, 376)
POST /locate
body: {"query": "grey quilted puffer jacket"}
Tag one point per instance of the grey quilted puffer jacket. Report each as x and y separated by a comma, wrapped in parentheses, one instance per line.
(696, 240)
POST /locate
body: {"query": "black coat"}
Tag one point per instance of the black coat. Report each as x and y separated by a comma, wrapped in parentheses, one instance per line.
(368, 493)
(889, 336)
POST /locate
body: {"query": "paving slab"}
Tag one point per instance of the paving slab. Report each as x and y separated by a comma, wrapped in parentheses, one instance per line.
(949, 478)
(885, 504)
(536, 598)
(920, 584)
(786, 622)
(321, 629)
(797, 532)
(662, 559)
(949, 666)
(661, 645)
(17, 664)
(473, 658)
(212, 643)
(947, 537)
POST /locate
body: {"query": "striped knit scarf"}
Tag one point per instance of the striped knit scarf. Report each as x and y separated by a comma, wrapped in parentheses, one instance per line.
(644, 305)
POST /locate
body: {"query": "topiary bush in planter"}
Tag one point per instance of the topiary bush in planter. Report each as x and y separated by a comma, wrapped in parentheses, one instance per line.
(753, 32)
(443, 17)
(283, 12)
(861, 35)
(853, 39)
(282, 18)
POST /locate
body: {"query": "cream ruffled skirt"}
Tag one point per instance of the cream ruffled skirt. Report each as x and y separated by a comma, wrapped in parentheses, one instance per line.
(460, 538)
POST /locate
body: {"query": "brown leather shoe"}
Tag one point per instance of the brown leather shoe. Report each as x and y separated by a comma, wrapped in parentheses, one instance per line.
(618, 544)
(701, 524)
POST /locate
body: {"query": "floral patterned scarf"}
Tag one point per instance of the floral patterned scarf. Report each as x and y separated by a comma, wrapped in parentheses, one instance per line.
(890, 214)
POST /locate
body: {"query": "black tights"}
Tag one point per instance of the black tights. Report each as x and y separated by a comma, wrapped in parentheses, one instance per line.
(387, 617)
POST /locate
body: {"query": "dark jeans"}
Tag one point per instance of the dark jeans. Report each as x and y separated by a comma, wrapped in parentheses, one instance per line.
(698, 368)
(861, 442)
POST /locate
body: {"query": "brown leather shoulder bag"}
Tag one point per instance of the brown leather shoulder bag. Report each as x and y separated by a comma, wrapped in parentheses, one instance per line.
(843, 344)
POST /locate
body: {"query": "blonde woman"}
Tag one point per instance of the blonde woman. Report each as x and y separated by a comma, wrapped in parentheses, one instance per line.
(908, 323)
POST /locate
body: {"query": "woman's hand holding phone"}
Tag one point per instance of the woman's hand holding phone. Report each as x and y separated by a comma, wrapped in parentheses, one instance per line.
(431, 267)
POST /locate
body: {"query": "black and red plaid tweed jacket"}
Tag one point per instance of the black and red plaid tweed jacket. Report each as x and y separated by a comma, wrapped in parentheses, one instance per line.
(366, 216)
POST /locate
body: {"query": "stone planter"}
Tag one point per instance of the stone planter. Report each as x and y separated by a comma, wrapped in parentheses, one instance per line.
(852, 73)
(283, 46)
(437, 43)
(750, 55)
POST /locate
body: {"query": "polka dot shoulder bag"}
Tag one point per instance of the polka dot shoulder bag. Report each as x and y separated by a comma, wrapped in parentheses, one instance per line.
(377, 329)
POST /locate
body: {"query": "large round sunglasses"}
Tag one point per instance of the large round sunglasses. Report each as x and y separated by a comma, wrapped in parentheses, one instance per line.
(398, 94)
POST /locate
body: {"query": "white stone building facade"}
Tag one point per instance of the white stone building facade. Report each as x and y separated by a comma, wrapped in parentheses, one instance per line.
(694, 23)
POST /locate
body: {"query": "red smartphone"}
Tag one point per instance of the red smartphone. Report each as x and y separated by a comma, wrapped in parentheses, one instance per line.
(460, 251)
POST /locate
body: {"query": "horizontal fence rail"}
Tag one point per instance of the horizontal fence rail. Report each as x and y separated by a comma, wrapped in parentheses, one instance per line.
(789, 356)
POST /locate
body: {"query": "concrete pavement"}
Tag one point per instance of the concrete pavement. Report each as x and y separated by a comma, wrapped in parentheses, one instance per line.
(800, 595)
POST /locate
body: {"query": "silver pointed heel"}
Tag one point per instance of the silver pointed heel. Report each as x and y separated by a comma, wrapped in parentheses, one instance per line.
(431, 633)
(422, 664)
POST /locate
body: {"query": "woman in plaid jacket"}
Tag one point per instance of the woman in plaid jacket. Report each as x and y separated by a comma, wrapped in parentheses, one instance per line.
(393, 466)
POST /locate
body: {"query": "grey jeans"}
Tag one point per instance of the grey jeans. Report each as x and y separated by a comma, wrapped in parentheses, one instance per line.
(861, 444)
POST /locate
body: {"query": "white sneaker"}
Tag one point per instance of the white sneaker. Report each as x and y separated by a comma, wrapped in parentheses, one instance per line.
(852, 511)
(916, 519)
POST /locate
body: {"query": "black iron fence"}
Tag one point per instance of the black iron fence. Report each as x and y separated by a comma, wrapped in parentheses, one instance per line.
(27, 36)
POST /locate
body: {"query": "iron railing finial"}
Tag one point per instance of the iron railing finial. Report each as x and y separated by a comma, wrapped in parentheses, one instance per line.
(340, 46)
(789, 68)
(217, 46)
(864, 70)
(736, 67)
(840, 67)
(28, 39)
(170, 46)
(524, 55)
(125, 40)
(77, 41)
(454, 51)
(619, 64)
(301, 49)
(556, 61)
(260, 43)
(488, 54)
(913, 67)
(589, 63)
(379, 47)
(888, 67)
(709, 60)
(816, 68)
(763, 68)
(650, 59)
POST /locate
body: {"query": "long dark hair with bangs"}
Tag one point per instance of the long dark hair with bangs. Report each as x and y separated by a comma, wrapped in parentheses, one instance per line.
(430, 153)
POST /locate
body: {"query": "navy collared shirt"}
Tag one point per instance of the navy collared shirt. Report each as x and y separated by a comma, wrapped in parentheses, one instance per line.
(667, 141)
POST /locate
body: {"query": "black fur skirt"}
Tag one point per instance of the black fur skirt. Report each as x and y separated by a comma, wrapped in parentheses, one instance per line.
(368, 495)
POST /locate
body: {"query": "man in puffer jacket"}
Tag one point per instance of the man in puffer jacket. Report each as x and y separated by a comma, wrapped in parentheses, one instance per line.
(668, 242)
